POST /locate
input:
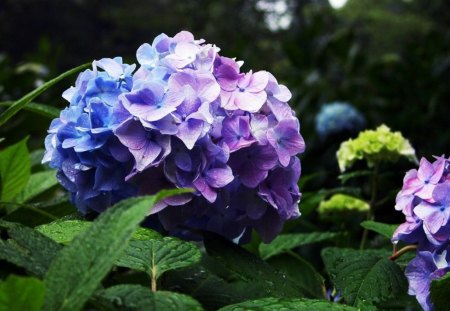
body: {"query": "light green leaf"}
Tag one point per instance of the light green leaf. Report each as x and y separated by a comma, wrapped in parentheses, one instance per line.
(2, 139)
(80, 266)
(159, 255)
(20, 104)
(19, 293)
(64, 231)
(364, 276)
(299, 304)
(286, 242)
(138, 298)
(14, 169)
(440, 291)
(37, 184)
(386, 230)
(44, 110)
(144, 234)
(27, 248)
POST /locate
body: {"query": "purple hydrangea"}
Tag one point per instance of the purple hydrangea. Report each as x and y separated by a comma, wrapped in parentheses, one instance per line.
(422, 270)
(187, 117)
(425, 202)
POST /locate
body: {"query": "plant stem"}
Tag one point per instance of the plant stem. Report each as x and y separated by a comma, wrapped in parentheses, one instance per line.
(34, 209)
(373, 196)
(402, 251)
(153, 274)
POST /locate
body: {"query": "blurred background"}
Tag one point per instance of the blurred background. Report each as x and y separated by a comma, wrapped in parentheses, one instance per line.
(389, 60)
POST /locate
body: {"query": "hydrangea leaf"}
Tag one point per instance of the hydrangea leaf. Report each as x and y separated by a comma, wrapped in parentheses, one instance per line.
(440, 291)
(19, 293)
(347, 176)
(286, 242)
(36, 157)
(44, 110)
(157, 256)
(37, 184)
(386, 230)
(27, 248)
(211, 284)
(364, 276)
(21, 103)
(299, 304)
(241, 265)
(80, 266)
(64, 231)
(301, 272)
(137, 297)
(14, 169)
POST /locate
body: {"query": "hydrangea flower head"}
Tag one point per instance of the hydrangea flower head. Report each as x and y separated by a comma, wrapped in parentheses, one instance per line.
(425, 202)
(338, 117)
(187, 117)
(340, 205)
(374, 146)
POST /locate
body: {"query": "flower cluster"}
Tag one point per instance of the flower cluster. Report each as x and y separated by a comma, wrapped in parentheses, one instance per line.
(187, 117)
(338, 117)
(341, 205)
(425, 202)
(374, 146)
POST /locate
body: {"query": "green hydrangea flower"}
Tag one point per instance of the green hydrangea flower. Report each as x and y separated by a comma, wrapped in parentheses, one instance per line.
(375, 146)
(343, 202)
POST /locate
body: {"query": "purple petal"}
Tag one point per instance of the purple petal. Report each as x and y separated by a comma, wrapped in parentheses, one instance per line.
(189, 132)
(219, 177)
(251, 102)
(132, 134)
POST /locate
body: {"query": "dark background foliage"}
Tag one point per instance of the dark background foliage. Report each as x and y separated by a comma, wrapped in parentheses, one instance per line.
(389, 58)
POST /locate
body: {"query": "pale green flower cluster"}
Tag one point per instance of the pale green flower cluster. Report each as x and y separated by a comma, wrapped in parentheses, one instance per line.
(375, 146)
(343, 203)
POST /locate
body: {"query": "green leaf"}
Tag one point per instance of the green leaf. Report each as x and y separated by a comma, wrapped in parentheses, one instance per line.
(159, 255)
(14, 169)
(301, 272)
(212, 290)
(44, 110)
(64, 231)
(386, 230)
(27, 248)
(36, 157)
(241, 265)
(347, 176)
(21, 103)
(299, 304)
(19, 293)
(37, 184)
(286, 242)
(365, 276)
(143, 234)
(440, 291)
(80, 266)
(138, 298)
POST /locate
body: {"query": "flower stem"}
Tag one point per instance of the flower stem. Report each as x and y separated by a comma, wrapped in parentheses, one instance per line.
(403, 250)
(373, 196)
